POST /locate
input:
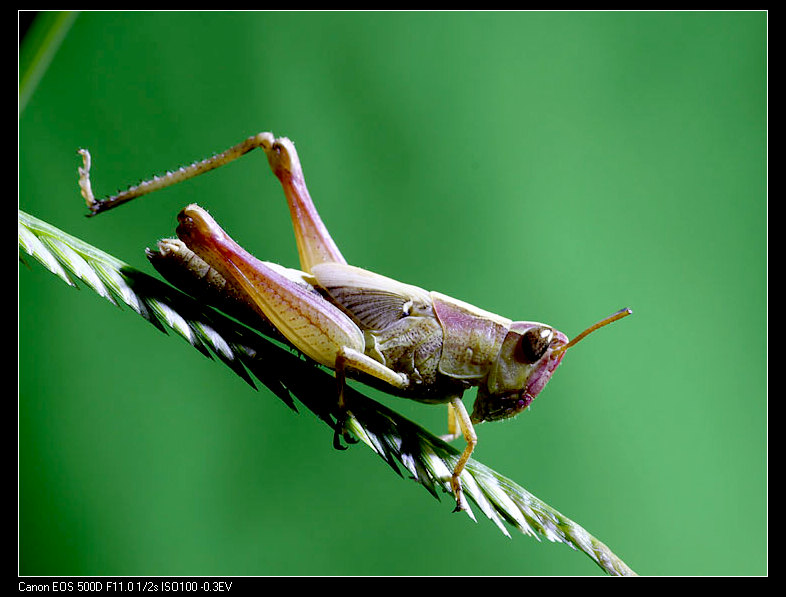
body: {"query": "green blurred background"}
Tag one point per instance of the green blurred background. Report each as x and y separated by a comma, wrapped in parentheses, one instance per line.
(546, 166)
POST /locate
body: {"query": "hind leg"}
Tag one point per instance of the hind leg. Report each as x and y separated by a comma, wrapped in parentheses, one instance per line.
(96, 206)
(313, 240)
(315, 326)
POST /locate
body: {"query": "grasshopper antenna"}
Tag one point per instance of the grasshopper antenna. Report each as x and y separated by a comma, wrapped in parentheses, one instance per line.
(603, 322)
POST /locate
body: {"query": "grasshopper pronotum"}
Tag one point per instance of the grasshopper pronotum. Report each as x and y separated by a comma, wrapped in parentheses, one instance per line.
(419, 344)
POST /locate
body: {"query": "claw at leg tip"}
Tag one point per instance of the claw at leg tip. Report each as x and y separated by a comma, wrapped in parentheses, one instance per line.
(337, 445)
(341, 432)
(84, 181)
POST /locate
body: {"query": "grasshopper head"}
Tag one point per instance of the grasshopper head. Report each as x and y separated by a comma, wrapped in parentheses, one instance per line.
(529, 356)
(525, 364)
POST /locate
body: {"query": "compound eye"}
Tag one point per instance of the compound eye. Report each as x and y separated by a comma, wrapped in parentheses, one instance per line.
(534, 343)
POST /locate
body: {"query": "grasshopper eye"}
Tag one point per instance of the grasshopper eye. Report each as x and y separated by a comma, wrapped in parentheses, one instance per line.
(534, 343)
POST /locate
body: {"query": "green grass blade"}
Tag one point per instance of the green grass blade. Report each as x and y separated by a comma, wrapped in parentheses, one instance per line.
(40, 46)
(401, 443)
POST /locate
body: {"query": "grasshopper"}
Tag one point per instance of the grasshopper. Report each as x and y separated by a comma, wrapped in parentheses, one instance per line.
(414, 343)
